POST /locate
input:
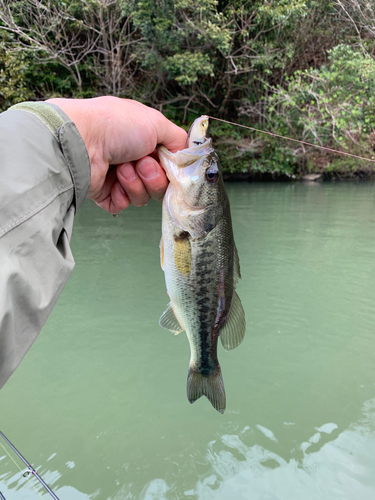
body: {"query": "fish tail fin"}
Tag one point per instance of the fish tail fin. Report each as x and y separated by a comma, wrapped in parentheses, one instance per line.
(211, 386)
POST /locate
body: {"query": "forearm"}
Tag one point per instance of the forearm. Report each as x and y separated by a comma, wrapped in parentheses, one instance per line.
(45, 174)
(45, 161)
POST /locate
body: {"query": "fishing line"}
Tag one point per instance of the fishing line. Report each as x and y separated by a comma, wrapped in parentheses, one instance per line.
(294, 140)
(30, 467)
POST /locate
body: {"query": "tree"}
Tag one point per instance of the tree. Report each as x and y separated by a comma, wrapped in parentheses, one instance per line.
(91, 39)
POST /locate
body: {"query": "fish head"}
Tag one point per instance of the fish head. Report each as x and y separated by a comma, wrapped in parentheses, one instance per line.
(196, 196)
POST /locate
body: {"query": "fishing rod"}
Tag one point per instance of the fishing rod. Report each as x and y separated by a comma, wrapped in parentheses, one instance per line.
(31, 469)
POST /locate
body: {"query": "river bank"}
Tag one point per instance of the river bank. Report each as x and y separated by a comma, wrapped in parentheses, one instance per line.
(245, 155)
(357, 176)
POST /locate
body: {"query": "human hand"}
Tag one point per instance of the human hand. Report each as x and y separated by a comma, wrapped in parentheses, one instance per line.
(120, 135)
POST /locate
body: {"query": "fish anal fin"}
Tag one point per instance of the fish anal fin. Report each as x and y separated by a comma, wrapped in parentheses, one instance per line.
(169, 321)
(236, 266)
(211, 386)
(233, 331)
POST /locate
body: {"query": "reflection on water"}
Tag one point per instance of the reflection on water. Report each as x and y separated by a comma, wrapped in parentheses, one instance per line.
(99, 404)
(342, 468)
(333, 466)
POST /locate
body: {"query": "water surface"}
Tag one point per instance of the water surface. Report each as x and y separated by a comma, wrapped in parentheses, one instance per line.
(99, 403)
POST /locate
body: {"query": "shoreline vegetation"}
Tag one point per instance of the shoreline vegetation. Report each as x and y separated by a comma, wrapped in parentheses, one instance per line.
(304, 69)
(309, 178)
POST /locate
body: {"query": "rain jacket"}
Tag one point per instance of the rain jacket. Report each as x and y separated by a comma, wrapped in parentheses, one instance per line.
(44, 177)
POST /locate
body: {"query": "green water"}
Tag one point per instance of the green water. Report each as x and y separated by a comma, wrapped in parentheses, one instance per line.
(99, 404)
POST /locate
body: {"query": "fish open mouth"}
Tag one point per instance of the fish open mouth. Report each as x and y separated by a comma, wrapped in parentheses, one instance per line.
(198, 132)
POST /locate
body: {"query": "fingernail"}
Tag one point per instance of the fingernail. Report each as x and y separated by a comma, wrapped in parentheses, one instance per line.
(128, 172)
(147, 169)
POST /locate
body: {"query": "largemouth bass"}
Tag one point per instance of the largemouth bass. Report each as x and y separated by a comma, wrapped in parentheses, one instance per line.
(200, 262)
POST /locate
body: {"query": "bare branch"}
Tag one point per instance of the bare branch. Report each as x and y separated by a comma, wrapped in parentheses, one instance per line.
(95, 39)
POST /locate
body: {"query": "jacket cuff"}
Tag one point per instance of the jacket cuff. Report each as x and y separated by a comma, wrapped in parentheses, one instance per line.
(71, 144)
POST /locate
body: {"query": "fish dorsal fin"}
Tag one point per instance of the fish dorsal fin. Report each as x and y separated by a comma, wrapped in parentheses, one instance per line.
(233, 331)
(169, 321)
(236, 266)
(161, 246)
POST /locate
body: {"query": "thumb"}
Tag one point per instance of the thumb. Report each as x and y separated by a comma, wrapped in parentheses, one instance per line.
(170, 135)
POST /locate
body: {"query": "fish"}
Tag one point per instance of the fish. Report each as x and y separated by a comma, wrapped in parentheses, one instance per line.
(200, 261)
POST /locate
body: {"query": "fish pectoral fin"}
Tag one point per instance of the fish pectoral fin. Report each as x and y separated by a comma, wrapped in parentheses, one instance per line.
(236, 266)
(169, 321)
(161, 246)
(233, 331)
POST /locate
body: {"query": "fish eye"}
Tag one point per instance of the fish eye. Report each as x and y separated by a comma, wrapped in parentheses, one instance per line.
(212, 175)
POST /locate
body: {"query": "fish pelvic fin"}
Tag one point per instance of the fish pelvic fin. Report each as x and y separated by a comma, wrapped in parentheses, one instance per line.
(211, 386)
(169, 321)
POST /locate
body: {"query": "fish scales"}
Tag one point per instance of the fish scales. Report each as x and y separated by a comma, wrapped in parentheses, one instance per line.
(200, 262)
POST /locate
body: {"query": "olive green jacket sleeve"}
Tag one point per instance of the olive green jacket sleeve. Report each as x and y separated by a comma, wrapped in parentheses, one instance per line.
(44, 177)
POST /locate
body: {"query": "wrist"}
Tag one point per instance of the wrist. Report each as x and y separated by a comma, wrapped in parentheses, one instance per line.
(89, 116)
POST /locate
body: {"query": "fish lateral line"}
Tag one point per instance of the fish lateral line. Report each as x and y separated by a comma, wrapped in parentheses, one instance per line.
(220, 306)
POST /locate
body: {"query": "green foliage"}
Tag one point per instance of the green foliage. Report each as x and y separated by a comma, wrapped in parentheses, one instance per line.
(180, 42)
(289, 66)
(230, 145)
(276, 159)
(334, 100)
(185, 68)
(14, 68)
(332, 106)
